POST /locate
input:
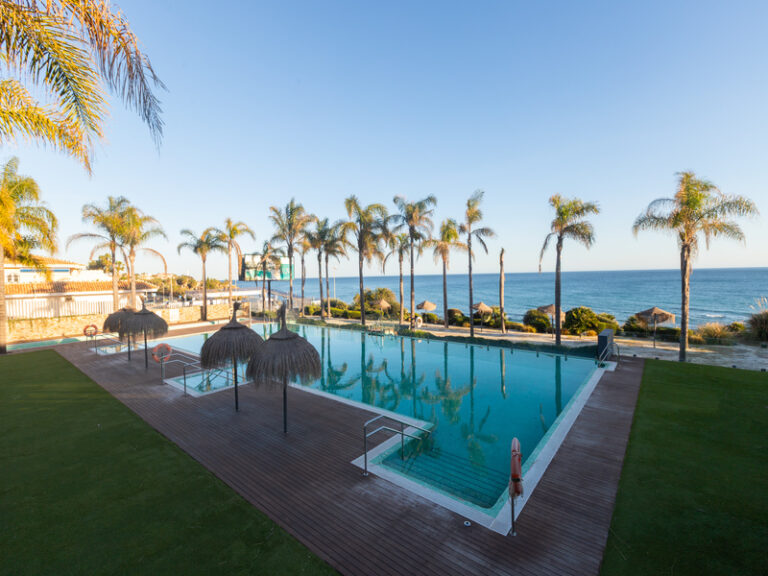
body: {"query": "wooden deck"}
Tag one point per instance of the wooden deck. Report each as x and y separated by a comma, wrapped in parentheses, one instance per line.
(365, 525)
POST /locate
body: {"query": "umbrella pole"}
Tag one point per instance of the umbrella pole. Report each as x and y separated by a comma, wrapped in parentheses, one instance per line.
(285, 405)
(129, 347)
(146, 354)
(654, 333)
(512, 504)
(234, 370)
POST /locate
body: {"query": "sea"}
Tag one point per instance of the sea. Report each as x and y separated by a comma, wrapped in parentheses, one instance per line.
(722, 295)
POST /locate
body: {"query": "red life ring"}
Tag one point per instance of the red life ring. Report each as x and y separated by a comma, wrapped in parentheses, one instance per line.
(91, 330)
(156, 352)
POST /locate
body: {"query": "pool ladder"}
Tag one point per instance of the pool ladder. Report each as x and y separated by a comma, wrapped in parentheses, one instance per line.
(401, 431)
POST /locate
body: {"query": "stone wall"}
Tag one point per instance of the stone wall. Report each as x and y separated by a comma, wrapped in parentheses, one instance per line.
(30, 329)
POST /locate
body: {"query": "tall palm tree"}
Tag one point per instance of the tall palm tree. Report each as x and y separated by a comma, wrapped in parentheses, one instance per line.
(67, 49)
(269, 259)
(230, 233)
(25, 225)
(365, 224)
(416, 219)
(569, 222)
(335, 246)
(449, 239)
(398, 246)
(503, 324)
(290, 223)
(138, 229)
(317, 239)
(698, 208)
(473, 215)
(209, 241)
(304, 247)
(110, 221)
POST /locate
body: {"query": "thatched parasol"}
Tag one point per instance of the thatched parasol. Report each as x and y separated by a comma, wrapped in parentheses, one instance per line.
(147, 323)
(483, 309)
(285, 356)
(234, 342)
(117, 322)
(427, 306)
(383, 305)
(657, 316)
(550, 310)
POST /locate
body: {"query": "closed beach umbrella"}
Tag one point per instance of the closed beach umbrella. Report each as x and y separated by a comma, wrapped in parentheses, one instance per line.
(427, 306)
(147, 323)
(657, 316)
(483, 309)
(117, 322)
(383, 305)
(285, 356)
(515, 478)
(234, 342)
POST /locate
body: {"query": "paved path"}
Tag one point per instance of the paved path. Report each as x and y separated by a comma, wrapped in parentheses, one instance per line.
(305, 482)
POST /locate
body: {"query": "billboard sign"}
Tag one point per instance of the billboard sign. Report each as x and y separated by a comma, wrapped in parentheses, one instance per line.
(250, 269)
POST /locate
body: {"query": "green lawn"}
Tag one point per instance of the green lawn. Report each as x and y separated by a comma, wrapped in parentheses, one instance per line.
(86, 487)
(693, 497)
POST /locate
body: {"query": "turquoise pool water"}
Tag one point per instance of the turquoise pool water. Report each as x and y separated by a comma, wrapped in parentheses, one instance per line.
(477, 399)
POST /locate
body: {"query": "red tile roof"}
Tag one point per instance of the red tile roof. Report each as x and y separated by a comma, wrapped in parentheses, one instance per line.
(64, 287)
(48, 261)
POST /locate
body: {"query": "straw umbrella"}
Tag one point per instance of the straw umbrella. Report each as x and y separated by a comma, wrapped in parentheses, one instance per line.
(234, 342)
(116, 322)
(550, 311)
(383, 305)
(285, 356)
(426, 305)
(145, 322)
(657, 316)
(484, 309)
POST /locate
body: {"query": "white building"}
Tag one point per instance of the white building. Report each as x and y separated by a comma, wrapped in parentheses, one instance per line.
(60, 270)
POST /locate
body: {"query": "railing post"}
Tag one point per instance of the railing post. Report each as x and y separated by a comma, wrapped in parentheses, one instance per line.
(402, 441)
(365, 450)
(184, 368)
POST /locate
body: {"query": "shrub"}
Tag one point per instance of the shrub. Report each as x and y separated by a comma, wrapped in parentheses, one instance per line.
(607, 321)
(736, 327)
(515, 326)
(352, 314)
(537, 320)
(581, 319)
(338, 312)
(668, 334)
(713, 332)
(465, 324)
(312, 310)
(336, 303)
(455, 317)
(694, 338)
(589, 333)
(758, 322)
(430, 318)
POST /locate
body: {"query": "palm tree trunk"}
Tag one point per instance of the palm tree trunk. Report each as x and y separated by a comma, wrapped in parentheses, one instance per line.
(290, 276)
(362, 290)
(229, 275)
(303, 279)
(445, 294)
(205, 294)
(263, 291)
(558, 326)
(327, 287)
(132, 258)
(413, 292)
(3, 310)
(471, 294)
(501, 292)
(320, 281)
(685, 277)
(402, 310)
(115, 296)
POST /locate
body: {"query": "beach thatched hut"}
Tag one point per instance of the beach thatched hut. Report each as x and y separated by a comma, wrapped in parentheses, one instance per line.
(117, 323)
(656, 316)
(146, 323)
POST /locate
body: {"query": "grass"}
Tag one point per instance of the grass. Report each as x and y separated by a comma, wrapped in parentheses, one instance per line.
(86, 487)
(692, 497)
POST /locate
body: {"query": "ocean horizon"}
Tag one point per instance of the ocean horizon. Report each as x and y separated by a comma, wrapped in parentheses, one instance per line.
(717, 294)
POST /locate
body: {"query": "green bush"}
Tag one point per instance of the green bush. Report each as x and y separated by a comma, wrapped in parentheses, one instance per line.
(714, 332)
(312, 310)
(581, 319)
(667, 333)
(515, 326)
(694, 338)
(635, 325)
(430, 318)
(455, 317)
(758, 325)
(537, 320)
(336, 303)
(607, 321)
(590, 333)
(465, 324)
(736, 327)
(338, 312)
(352, 314)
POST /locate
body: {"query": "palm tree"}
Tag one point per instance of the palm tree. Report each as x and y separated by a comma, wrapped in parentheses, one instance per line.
(110, 220)
(268, 260)
(67, 49)
(503, 324)
(365, 224)
(399, 245)
(25, 225)
(448, 240)
(138, 229)
(334, 246)
(304, 247)
(698, 207)
(317, 239)
(472, 216)
(231, 232)
(416, 219)
(290, 223)
(209, 241)
(570, 222)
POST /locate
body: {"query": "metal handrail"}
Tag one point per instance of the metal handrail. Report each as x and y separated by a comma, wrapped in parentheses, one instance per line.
(401, 431)
(608, 352)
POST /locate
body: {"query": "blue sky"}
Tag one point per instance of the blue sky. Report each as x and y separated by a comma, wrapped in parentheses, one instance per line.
(320, 100)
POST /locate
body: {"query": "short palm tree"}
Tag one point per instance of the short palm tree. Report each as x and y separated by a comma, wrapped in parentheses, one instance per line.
(209, 241)
(303, 247)
(415, 218)
(66, 48)
(569, 222)
(698, 208)
(399, 246)
(449, 239)
(335, 246)
(138, 229)
(110, 221)
(268, 260)
(365, 224)
(25, 225)
(317, 238)
(229, 234)
(290, 223)
(473, 216)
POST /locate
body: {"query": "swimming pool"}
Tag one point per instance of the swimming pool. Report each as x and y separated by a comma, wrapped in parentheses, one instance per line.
(476, 398)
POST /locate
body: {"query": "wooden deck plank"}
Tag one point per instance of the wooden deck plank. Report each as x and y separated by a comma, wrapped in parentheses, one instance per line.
(304, 481)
